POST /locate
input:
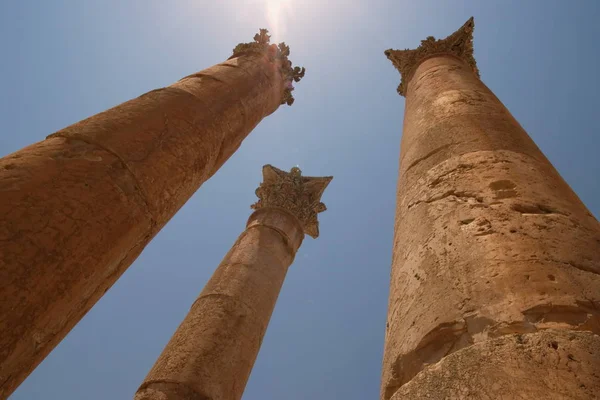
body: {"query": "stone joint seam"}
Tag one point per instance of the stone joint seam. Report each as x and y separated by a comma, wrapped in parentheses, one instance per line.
(138, 187)
(213, 112)
(189, 389)
(461, 155)
(224, 295)
(202, 75)
(389, 396)
(284, 236)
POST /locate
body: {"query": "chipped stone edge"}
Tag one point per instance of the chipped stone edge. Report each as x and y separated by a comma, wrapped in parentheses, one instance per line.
(458, 44)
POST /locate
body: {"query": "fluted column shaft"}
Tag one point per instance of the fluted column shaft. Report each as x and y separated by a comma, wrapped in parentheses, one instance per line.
(496, 261)
(212, 353)
(78, 208)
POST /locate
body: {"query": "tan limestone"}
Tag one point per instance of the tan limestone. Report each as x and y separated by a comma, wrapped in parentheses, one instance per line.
(549, 365)
(211, 354)
(489, 239)
(80, 206)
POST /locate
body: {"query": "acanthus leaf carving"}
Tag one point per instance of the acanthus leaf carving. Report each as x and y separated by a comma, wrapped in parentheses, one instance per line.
(459, 44)
(280, 53)
(297, 194)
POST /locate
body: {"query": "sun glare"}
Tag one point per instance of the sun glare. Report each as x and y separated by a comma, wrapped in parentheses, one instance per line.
(278, 12)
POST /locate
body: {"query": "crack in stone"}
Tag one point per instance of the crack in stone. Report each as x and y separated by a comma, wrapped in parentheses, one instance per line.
(531, 209)
(579, 267)
(460, 167)
(426, 156)
(491, 231)
(458, 194)
(542, 260)
(2, 385)
(449, 337)
(138, 186)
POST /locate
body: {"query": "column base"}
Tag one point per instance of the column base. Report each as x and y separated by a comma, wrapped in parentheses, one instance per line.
(549, 364)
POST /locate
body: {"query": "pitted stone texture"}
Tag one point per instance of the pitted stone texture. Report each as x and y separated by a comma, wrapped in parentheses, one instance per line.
(552, 364)
(485, 241)
(450, 112)
(79, 207)
(71, 221)
(175, 138)
(212, 353)
(489, 239)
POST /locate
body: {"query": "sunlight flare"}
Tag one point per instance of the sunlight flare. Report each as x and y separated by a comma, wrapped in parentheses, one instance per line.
(277, 14)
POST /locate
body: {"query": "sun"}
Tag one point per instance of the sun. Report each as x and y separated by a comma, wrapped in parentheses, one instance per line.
(277, 14)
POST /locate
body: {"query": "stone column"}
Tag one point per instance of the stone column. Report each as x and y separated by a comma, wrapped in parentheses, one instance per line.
(495, 286)
(211, 354)
(80, 206)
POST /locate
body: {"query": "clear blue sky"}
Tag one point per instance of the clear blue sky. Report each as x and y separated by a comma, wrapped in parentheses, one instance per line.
(65, 60)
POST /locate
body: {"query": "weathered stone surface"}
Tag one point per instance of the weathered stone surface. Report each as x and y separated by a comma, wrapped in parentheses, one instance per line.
(211, 354)
(489, 239)
(280, 54)
(213, 350)
(552, 364)
(297, 194)
(459, 44)
(79, 207)
(53, 193)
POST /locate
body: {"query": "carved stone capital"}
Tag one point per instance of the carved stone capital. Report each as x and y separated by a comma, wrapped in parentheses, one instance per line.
(276, 53)
(299, 195)
(459, 44)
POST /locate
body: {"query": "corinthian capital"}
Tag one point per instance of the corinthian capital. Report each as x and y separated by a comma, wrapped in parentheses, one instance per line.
(299, 195)
(459, 44)
(279, 53)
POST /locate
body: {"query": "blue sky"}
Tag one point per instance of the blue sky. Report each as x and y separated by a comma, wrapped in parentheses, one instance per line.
(65, 60)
